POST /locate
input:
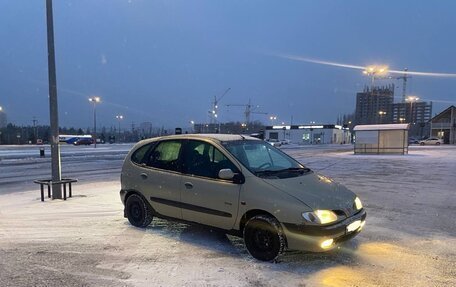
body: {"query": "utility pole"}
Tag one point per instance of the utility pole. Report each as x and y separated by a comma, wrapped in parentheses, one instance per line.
(53, 106)
(35, 133)
(95, 101)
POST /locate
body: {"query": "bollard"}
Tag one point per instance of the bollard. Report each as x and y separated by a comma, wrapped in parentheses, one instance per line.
(41, 151)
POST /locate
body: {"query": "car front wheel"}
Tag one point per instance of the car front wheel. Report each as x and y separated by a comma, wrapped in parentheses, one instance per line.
(264, 238)
(138, 211)
(437, 143)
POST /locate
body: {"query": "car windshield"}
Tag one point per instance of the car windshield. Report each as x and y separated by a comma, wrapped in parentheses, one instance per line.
(264, 160)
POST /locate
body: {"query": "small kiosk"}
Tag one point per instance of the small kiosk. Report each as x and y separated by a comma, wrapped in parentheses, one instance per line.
(381, 139)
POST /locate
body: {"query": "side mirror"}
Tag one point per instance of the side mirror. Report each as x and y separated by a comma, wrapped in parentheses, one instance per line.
(228, 174)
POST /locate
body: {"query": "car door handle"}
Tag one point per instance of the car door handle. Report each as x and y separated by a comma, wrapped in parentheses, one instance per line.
(188, 185)
(143, 176)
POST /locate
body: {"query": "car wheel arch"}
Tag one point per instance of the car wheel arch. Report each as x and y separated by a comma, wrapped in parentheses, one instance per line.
(133, 191)
(252, 213)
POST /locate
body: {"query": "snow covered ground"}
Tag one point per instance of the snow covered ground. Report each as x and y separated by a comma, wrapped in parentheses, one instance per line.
(409, 239)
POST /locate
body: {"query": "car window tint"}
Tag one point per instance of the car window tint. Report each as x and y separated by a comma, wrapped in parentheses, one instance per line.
(140, 154)
(165, 155)
(203, 159)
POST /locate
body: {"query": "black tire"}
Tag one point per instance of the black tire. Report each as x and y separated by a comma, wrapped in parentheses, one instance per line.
(421, 143)
(139, 212)
(264, 238)
(437, 143)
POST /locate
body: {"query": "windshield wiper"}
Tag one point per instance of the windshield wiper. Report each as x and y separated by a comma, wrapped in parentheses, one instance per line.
(266, 172)
(299, 169)
(290, 169)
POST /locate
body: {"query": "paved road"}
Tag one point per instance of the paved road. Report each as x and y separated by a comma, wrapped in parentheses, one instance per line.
(20, 165)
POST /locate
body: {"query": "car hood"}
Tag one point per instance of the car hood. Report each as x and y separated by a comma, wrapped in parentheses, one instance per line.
(316, 191)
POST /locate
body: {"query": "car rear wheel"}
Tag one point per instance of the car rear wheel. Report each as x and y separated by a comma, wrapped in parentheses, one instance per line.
(139, 212)
(421, 143)
(264, 238)
(437, 143)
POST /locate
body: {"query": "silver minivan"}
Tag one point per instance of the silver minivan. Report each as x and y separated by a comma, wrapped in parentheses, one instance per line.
(241, 185)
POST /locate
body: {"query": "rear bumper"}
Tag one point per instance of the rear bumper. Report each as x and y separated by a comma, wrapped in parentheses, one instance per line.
(310, 237)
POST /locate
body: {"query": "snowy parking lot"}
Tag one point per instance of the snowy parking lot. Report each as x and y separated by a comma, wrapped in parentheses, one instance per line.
(409, 238)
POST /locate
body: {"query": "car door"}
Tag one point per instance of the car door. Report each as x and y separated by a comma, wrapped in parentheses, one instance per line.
(160, 178)
(207, 199)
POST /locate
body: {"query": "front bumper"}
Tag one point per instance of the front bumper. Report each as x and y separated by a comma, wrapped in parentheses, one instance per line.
(123, 193)
(310, 237)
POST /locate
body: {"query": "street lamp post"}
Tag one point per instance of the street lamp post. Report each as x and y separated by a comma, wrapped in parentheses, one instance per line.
(53, 105)
(243, 126)
(119, 118)
(95, 101)
(411, 99)
(273, 119)
(381, 114)
(376, 72)
(192, 125)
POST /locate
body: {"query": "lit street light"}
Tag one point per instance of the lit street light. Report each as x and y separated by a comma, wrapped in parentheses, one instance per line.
(273, 119)
(244, 127)
(411, 99)
(374, 72)
(95, 101)
(381, 114)
(119, 118)
(192, 125)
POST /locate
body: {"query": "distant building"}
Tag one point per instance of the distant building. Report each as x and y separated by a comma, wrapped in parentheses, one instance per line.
(374, 105)
(418, 112)
(443, 125)
(309, 134)
(3, 120)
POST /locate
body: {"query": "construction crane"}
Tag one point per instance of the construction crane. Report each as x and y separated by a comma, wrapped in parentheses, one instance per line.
(249, 109)
(213, 114)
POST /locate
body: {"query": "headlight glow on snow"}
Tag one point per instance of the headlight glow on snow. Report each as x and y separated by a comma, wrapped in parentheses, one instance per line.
(320, 216)
(358, 203)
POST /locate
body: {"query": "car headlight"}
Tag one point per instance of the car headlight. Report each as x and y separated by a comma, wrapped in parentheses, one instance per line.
(320, 216)
(358, 203)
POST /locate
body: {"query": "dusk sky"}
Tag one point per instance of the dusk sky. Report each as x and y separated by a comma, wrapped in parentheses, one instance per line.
(164, 61)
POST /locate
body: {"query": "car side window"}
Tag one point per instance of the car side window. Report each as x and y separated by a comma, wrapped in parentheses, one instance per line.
(203, 159)
(139, 156)
(166, 155)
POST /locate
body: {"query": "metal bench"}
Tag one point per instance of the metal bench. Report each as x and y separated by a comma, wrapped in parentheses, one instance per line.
(49, 183)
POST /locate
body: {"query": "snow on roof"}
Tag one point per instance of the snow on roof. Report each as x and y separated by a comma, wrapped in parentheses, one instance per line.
(381, 127)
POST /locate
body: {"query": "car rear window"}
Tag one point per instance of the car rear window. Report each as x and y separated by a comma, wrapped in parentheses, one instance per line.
(139, 156)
